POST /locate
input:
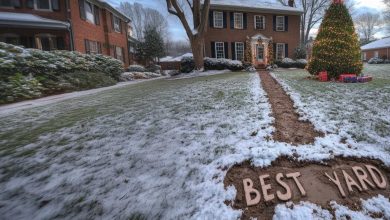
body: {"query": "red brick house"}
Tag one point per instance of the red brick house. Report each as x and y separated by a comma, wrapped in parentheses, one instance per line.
(264, 25)
(379, 49)
(87, 26)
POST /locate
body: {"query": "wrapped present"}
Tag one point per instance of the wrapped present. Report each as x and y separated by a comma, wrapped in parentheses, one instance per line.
(347, 77)
(323, 76)
(364, 79)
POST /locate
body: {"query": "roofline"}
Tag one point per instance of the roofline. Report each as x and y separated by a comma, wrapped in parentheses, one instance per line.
(249, 9)
(32, 25)
(374, 48)
(112, 9)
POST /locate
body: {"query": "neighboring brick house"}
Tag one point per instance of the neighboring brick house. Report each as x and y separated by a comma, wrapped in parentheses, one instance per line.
(233, 22)
(87, 26)
(379, 48)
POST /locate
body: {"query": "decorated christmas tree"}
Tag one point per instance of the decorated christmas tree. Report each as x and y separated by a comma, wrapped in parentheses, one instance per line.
(336, 48)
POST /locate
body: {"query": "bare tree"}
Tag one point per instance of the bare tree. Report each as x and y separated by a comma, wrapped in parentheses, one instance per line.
(200, 15)
(367, 25)
(143, 18)
(386, 14)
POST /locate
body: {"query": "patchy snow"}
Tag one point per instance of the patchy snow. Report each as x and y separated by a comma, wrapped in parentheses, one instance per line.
(155, 149)
(198, 74)
(357, 113)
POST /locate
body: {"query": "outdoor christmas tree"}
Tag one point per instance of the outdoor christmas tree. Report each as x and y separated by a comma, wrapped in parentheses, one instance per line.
(336, 48)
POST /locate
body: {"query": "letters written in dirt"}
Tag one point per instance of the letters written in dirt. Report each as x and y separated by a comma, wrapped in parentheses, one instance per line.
(345, 181)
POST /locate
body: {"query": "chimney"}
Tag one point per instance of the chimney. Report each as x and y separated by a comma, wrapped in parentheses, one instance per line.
(291, 3)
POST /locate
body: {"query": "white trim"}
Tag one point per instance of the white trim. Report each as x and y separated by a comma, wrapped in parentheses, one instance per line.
(242, 20)
(283, 51)
(243, 49)
(255, 22)
(214, 16)
(42, 9)
(216, 52)
(276, 23)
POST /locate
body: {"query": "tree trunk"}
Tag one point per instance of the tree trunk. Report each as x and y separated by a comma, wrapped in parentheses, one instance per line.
(197, 46)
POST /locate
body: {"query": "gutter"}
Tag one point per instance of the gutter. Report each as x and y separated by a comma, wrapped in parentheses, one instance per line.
(70, 30)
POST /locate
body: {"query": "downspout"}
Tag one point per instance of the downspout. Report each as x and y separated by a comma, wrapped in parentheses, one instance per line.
(70, 30)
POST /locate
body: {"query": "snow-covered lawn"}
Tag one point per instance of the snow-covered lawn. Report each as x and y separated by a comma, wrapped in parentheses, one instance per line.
(359, 113)
(158, 149)
(150, 148)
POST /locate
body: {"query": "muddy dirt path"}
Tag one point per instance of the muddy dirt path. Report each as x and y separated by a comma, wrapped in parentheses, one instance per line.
(289, 128)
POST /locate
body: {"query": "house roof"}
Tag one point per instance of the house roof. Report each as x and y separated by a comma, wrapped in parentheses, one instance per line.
(382, 43)
(25, 20)
(106, 5)
(255, 6)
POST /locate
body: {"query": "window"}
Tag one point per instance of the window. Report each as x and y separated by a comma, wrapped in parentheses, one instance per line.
(46, 42)
(42, 4)
(239, 51)
(117, 24)
(364, 56)
(280, 51)
(119, 53)
(92, 47)
(238, 21)
(219, 50)
(376, 54)
(259, 22)
(218, 19)
(6, 3)
(89, 15)
(280, 23)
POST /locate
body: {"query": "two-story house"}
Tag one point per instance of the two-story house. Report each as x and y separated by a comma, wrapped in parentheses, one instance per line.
(87, 26)
(266, 26)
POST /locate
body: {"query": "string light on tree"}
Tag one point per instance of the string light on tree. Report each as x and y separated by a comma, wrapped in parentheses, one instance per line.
(336, 48)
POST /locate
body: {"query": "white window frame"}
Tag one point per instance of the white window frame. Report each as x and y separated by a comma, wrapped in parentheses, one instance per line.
(238, 24)
(283, 51)
(42, 9)
(117, 26)
(278, 26)
(255, 22)
(86, 3)
(376, 54)
(218, 21)
(216, 50)
(236, 50)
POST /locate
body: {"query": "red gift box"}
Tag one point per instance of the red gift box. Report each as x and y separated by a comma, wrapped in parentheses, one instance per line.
(343, 77)
(323, 76)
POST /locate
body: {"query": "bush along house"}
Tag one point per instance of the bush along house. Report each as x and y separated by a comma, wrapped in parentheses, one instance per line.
(252, 30)
(87, 26)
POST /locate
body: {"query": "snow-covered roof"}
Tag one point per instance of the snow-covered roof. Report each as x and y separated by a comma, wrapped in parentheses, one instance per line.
(107, 5)
(255, 5)
(174, 59)
(382, 43)
(10, 19)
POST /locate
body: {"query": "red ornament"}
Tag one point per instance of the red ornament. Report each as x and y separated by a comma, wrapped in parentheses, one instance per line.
(338, 1)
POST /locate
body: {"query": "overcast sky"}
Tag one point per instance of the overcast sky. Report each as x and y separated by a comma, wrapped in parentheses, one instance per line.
(177, 32)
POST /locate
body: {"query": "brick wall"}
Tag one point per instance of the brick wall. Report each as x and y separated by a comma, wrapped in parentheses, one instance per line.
(382, 53)
(290, 37)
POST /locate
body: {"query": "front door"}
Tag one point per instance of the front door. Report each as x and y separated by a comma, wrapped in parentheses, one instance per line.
(260, 53)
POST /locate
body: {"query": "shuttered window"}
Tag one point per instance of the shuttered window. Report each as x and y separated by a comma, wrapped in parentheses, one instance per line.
(238, 21)
(218, 19)
(43, 4)
(280, 51)
(259, 22)
(280, 23)
(239, 51)
(219, 50)
(117, 24)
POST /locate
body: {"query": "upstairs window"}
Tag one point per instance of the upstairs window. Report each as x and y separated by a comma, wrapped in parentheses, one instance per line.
(117, 24)
(280, 51)
(6, 3)
(92, 47)
(219, 50)
(259, 22)
(43, 4)
(238, 21)
(218, 19)
(89, 15)
(280, 23)
(89, 12)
